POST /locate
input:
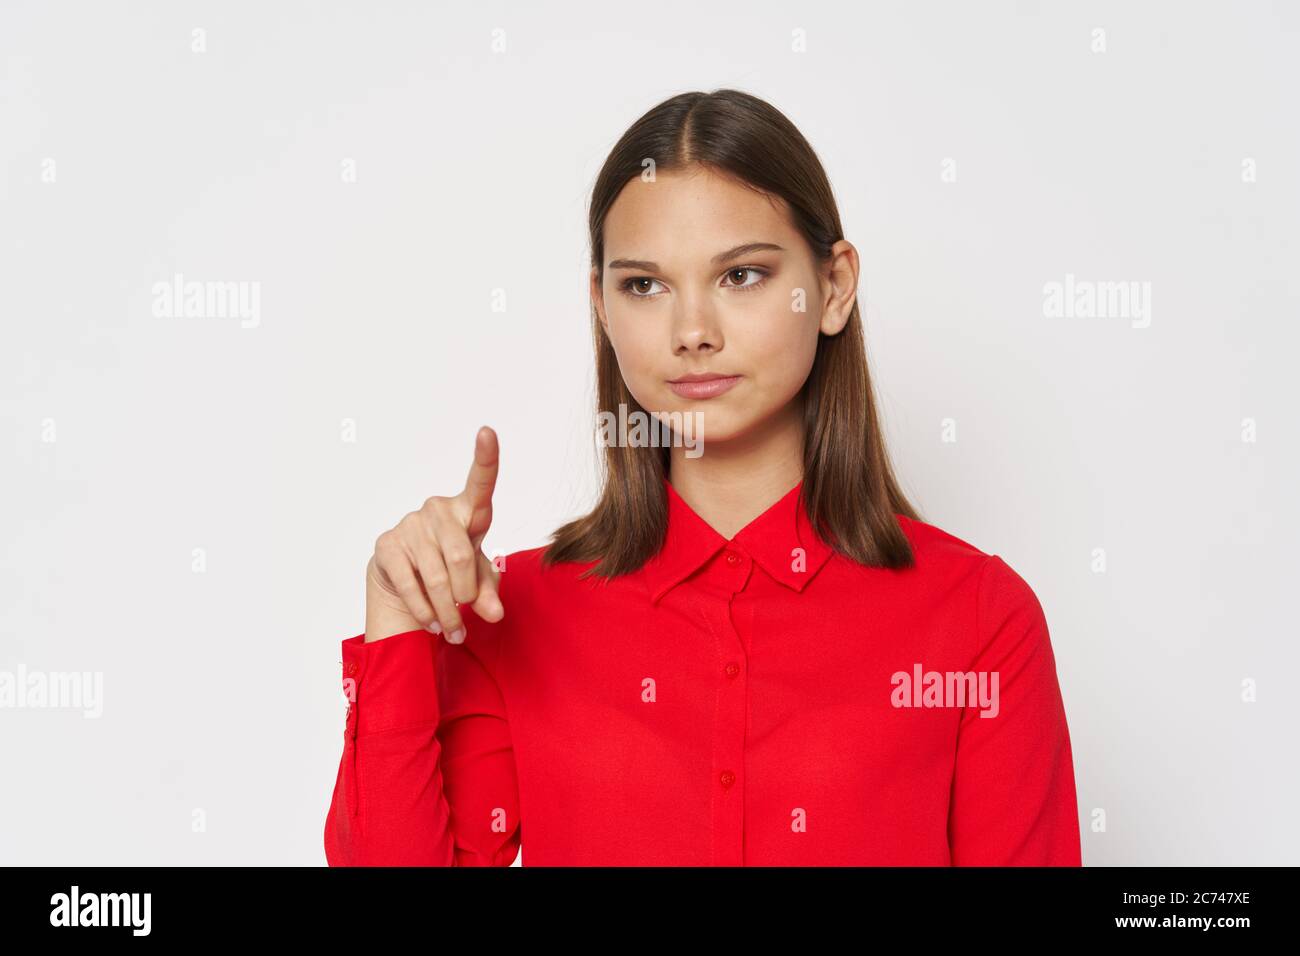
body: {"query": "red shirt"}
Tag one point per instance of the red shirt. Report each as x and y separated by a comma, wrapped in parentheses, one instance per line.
(751, 701)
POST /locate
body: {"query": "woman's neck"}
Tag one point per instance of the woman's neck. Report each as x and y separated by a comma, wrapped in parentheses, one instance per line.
(733, 482)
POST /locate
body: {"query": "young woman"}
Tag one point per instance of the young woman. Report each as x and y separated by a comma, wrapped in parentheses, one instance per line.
(752, 651)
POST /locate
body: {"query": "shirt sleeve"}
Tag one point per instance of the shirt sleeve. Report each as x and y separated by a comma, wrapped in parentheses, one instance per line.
(1013, 799)
(427, 776)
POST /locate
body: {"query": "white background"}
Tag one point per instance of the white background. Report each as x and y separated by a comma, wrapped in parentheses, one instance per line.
(473, 170)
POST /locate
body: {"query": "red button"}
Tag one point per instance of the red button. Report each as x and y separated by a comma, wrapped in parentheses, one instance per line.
(733, 558)
(733, 669)
(727, 778)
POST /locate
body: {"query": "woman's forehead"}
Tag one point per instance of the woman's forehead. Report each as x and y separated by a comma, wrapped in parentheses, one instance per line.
(682, 218)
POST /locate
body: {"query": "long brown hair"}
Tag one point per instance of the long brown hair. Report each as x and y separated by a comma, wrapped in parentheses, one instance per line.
(849, 492)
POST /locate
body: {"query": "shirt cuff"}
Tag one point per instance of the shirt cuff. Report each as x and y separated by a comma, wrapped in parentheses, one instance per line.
(391, 683)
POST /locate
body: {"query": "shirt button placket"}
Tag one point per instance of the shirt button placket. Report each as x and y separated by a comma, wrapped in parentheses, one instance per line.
(729, 744)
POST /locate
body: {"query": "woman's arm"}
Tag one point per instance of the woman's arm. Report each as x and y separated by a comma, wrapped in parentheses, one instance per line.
(427, 776)
(1013, 799)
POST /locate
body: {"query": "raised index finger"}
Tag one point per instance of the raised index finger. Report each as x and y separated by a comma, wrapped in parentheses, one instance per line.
(483, 472)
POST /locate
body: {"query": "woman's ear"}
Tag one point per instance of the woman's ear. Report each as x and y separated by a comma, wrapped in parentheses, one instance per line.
(842, 279)
(598, 299)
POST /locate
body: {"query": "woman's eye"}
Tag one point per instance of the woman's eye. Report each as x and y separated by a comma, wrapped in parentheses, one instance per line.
(633, 286)
(643, 287)
(759, 275)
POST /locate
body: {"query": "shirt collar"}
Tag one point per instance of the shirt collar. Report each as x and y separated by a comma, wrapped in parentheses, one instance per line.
(770, 539)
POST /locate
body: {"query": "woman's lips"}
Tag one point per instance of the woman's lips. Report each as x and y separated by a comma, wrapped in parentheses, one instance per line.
(706, 388)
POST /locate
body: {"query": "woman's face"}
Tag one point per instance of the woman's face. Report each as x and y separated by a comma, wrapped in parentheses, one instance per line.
(707, 276)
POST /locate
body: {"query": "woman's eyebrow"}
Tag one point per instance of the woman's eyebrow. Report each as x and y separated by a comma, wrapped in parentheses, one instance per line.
(745, 250)
(734, 253)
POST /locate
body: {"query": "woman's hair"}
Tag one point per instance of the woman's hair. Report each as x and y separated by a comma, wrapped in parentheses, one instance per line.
(849, 492)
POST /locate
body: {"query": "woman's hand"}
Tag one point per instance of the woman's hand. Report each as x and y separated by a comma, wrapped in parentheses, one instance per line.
(431, 561)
